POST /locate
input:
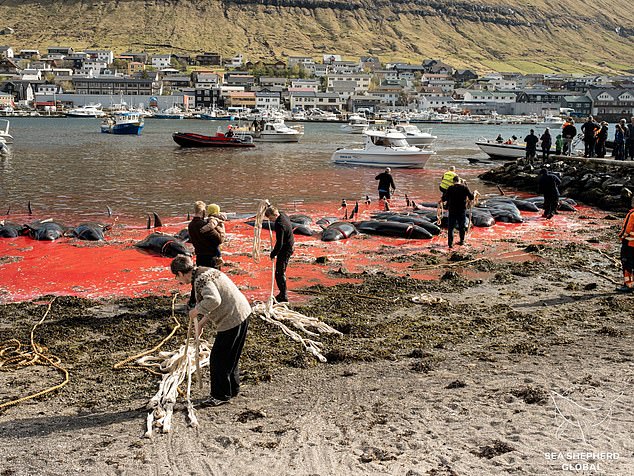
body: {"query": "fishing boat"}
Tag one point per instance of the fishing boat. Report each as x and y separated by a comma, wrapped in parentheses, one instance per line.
(89, 110)
(414, 135)
(278, 131)
(500, 150)
(124, 122)
(190, 139)
(384, 149)
(173, 112)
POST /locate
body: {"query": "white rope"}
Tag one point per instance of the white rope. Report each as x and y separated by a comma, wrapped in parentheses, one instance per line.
(175, 366)
(257, 229)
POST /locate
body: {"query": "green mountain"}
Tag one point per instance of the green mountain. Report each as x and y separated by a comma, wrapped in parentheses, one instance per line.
(500, 35)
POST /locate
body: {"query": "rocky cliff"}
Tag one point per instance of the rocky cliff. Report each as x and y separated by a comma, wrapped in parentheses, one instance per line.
(539, 35)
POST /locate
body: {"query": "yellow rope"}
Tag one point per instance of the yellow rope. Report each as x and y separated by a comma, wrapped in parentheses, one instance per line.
(124, 363)
(36, 355)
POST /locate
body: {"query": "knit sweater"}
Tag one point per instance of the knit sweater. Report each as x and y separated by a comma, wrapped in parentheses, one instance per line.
(220, 299)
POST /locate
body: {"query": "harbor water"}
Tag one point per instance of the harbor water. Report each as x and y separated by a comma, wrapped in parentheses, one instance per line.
(67, 168)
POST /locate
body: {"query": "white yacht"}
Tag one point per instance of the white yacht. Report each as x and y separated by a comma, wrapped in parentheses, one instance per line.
(356, 125)
(89, 110)
(278, 131)
(414, 135)
(384, 149)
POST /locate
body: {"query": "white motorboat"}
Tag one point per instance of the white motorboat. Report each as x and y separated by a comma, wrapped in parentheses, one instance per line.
(356, 125)
(384, 149)
(278, 131)
(501, 150)
(4, 132)
(414, 135)
(552, 121)
(89, 110)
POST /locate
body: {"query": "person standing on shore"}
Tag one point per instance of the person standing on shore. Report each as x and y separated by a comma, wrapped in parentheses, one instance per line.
(568, 132)
(221, 303)
(283, 249)
(627, 251)
(386, 184)
(602, 137)
(531, 141)
(629, 144)
(206, 243)
(456, 204)
(547, 142)
(589, 129)
(619, 141)
(447, 180)
(549, 186)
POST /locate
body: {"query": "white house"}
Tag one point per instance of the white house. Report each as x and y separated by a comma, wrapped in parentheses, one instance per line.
(267, 100)
(6, 52)
(31, 75)
(236, 61)
(105, 56)
(327, 59)
(434, 102)
(311, 84)
(309, 100)
(161, 61)
(303, 61)
(206, 80)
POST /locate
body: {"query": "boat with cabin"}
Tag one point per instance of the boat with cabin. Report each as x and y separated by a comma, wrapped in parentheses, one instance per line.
(278, 131)
(356, 124)
(124, 122)
(414, 135)
(384, 149)
(89, 110)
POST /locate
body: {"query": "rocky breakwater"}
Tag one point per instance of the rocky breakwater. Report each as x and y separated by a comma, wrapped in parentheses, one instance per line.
(605, 183)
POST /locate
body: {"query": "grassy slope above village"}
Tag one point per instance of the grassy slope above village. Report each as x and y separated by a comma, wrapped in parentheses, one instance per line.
(541, 36)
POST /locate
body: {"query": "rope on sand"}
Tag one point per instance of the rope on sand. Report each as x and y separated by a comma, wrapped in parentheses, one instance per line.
(13, 358)
(175, 366)
(274, 313)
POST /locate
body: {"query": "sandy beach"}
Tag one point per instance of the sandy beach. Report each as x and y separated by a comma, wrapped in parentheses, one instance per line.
(516, 358)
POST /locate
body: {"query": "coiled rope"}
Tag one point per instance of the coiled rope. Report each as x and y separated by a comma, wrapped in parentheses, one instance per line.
(12, 357)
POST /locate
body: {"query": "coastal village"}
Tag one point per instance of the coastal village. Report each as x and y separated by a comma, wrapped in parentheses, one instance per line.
(325, 88)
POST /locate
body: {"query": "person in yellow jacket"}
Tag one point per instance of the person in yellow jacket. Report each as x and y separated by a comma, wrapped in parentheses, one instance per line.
(447, 180)
(627, 252)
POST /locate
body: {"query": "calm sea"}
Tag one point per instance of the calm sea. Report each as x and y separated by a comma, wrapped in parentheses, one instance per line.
(68, 168)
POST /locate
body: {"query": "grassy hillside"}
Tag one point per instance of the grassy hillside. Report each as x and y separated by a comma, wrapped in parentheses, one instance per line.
(538, 36)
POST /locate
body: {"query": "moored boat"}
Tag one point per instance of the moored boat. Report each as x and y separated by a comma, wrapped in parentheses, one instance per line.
(4, 132)
(89, 110)
(414, 135)
(124, 122)
(356, 125)
(190, 139)
(500, 150)
(278, 131)
(384, 149)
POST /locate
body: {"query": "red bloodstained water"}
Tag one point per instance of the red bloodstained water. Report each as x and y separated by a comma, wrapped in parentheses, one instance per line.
(115, 268)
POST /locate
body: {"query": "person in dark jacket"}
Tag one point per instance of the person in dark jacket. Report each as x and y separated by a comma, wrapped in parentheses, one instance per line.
(602, 137)
(206, 243)
(531, 146)
(283, 249)
(549, 187)
(568, 132)
(386, 184)
(589, 129)
(618, 152)
(547, 142)
(629, 142)
(456, 203)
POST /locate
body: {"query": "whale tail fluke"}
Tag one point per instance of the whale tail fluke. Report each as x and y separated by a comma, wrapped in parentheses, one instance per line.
(28, 205)
(149, 222)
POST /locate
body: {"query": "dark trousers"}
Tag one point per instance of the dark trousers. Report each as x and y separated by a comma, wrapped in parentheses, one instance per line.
(456, 219)
(208, 261)
(589, 147)
(545, 153)
(600, 148)
(280, 273)
(629, 149)
(223, 362)
(384, 194)
(551, 202)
